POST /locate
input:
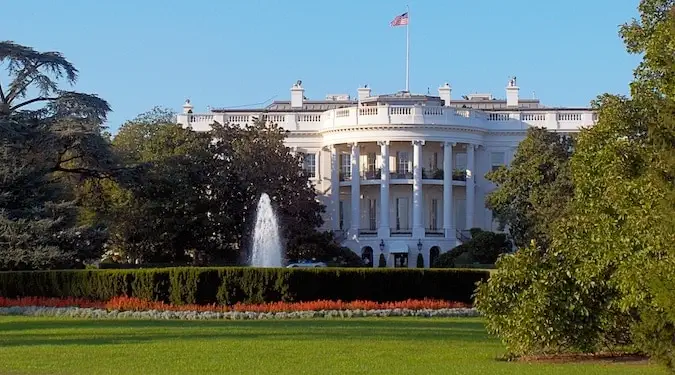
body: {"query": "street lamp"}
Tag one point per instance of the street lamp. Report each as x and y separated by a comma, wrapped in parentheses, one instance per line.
(419, 245)
(382, 245)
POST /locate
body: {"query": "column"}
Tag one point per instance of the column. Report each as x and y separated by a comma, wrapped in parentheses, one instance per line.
(335, 188)
(384, 228)
(418, 227)
(356, 191)
(448, 226)
(470, 185)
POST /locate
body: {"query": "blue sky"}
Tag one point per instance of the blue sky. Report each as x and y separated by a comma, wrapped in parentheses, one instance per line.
(139, 54)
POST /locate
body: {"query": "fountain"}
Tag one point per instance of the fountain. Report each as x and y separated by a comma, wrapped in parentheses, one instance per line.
(266, 251)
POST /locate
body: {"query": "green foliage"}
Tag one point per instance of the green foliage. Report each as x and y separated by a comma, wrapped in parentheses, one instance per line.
(611, 259)
(382, 261)
(534, 191)
(186, 187)
(533, 303)
(420, 261)
(46, 154)
(251, 285)
(484, 247)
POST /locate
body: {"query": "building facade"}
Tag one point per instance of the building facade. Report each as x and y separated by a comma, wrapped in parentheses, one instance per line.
(403, 174)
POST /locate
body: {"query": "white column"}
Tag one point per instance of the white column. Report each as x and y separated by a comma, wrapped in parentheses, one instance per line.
(335, 188)
(356, 191)
(448, 225)
(384, 229)
(470, 185)
(418, 227)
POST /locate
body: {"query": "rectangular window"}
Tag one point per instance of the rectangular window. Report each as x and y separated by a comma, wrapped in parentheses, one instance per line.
(497, 160)
(371, 162)
(460, 161)
(402, 214)
(309, 165)
(345, 166)
(403, 162)
(372, 214)
(433, 219)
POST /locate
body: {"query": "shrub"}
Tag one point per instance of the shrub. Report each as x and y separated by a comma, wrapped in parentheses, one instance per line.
(227, 286)
(484, 247)
(420, 261)
(654, 332)
(536, 306)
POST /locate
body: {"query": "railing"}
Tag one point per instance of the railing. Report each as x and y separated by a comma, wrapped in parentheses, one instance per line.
(371, 175)
(368, 232)
(463, 235)
(434, 232)
(433, 174)
(401, 175)
(406, 115)
(401, 231)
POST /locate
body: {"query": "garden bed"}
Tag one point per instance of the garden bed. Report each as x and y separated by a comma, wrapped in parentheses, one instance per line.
(134, 308)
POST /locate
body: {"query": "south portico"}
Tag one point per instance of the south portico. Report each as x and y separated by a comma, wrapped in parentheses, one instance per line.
(377, 182)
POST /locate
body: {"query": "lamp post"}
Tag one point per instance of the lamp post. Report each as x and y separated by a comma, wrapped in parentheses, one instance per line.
(382, 246)
(419, 245)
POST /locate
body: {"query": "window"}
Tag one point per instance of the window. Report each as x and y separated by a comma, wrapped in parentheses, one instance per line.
(433, 161)
(341, 212)
(372, 214)
(309, 165)
(346, 166)
(460, 161)
(403, 162)
(433, 219)
(496, 160)
(371, 162)
(402, 214)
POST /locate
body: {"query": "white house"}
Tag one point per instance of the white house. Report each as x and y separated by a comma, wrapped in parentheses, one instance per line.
(403, 174)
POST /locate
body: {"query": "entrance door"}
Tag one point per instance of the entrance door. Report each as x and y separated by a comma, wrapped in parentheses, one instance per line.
(401, 260)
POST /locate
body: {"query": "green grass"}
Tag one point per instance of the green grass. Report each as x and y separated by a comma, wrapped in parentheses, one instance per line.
(364, 346)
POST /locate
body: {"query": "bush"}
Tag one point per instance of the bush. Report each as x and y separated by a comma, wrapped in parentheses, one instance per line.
(227, 286)
(654, 332)
(484, 247)
(536, 306)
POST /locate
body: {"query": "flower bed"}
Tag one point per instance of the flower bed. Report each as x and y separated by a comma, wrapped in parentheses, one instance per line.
(134, 308)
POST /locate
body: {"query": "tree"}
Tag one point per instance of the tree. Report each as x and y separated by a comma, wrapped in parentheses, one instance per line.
(263, 164)
(533, 192)
(613, 257)
(44, 152)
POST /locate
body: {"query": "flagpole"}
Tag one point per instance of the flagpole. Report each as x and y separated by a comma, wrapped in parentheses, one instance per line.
(407, 51)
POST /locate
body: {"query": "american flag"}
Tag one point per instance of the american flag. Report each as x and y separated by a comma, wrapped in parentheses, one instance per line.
(400, 20)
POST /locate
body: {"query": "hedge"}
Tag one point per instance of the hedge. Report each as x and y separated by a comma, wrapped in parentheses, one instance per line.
(229, 285)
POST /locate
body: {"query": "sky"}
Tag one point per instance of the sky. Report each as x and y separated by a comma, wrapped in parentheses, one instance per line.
(232, 53)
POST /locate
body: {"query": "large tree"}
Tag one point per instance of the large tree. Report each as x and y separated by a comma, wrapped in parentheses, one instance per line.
(48, 144)
(533, 192)
(607, 277)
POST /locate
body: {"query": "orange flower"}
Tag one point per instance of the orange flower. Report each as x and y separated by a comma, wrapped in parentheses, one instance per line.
(136, 304)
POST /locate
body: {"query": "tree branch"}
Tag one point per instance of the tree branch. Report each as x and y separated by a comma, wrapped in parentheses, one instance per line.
(27, 102)
(2, 95)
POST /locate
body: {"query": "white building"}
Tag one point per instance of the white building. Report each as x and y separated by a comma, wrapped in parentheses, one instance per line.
(403, 174)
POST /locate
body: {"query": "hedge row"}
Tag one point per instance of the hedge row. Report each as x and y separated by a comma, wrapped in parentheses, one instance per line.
(227, 286)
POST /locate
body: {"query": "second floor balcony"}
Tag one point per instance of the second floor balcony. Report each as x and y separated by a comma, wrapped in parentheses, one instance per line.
(431, 174)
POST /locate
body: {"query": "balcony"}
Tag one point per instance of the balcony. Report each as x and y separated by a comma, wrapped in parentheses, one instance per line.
(368, 232)
(373, 174)
(434, 232)
(437, 174)
(496, 120)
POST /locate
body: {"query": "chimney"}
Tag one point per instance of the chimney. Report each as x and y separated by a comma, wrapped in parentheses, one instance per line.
(364, 92)
(445, 92)
(512, 93)
(297, 95)
(187, 107)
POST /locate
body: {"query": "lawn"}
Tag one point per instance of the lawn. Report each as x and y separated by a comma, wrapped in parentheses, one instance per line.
(364, 346)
